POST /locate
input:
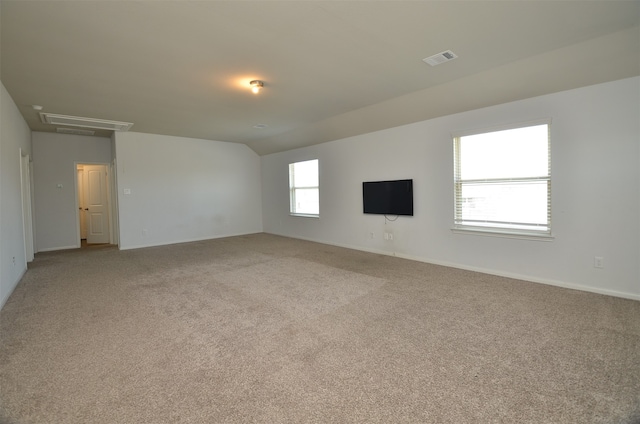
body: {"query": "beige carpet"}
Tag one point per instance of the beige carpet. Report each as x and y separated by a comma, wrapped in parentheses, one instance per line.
(265, 329)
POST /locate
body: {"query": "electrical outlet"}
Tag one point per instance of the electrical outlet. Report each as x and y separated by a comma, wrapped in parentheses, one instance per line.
(145, 231)
(598, 262)
(13, 260)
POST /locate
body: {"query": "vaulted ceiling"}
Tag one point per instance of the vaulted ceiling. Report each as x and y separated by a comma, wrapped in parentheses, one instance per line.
(331, 69)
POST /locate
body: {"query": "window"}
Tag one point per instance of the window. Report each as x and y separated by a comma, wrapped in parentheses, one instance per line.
(304, 190)
(503, 182)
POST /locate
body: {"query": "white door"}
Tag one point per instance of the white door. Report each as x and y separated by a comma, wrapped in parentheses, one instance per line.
(95, 201)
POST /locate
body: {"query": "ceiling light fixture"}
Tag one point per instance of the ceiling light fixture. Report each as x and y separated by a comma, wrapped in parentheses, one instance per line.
(256, 86)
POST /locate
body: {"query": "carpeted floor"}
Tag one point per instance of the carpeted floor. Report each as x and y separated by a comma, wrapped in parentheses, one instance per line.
(266, 329)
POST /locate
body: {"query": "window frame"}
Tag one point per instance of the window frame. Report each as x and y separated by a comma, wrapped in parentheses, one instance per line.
(494, 229)
(293, 187)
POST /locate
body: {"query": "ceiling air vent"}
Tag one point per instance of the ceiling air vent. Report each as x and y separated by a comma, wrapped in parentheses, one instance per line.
(439, 58)
(77, 121)
(74, 131)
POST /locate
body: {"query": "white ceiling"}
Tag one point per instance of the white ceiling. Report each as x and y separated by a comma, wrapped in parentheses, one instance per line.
(332, 69)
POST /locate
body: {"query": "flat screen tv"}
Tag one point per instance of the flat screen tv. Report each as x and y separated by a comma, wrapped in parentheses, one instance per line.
(388, 197)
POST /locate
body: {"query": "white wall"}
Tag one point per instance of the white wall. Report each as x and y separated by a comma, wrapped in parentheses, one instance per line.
(54, 162)
(595, 192)
(14, 137)
(184, 189)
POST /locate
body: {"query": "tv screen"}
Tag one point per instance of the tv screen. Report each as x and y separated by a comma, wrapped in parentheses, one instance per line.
(388, 197)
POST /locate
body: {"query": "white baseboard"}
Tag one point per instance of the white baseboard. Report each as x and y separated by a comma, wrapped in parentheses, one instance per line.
(15, 284)
(532, 279)
(53, 249)
(166, 243)
(499, 273)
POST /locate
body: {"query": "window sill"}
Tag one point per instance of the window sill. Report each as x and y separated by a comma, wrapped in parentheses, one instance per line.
(303, 215)
(522, 235)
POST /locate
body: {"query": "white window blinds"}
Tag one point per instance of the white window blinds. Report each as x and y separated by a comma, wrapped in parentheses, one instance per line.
(503, 182)
(304, 189)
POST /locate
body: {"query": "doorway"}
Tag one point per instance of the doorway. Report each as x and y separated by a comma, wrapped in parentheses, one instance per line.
(93, 200)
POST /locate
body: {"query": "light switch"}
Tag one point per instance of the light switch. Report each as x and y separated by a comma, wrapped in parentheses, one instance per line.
(127, 191)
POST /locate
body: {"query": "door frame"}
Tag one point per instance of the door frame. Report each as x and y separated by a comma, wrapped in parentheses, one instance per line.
(114, 220)
(26, 179)
(108, 189)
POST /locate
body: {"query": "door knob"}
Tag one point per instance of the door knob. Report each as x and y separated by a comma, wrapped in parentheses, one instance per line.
(86, 209)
